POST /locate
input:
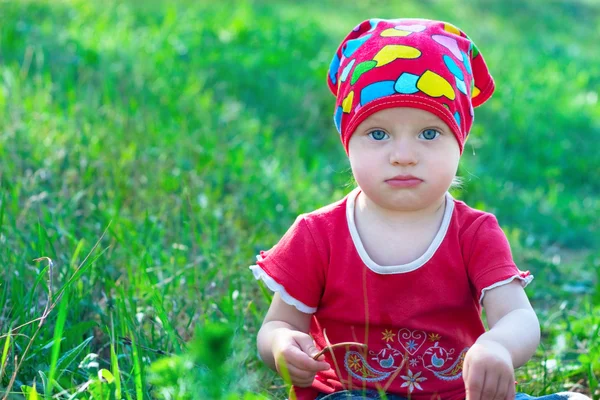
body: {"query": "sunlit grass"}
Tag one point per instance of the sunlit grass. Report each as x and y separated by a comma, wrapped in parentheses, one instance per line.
(193, 134)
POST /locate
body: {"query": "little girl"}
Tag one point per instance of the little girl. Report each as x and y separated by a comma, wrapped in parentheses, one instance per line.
(396, 272)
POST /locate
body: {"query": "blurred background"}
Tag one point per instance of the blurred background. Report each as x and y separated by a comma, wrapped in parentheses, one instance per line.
(151, 149)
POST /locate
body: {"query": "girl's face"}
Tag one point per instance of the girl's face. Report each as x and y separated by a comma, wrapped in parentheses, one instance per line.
(404, 159)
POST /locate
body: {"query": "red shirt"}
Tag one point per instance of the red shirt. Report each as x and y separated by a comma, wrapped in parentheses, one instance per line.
(417, 319)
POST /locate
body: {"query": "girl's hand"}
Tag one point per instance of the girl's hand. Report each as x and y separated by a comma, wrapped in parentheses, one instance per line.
(294, 350)
(488, 372)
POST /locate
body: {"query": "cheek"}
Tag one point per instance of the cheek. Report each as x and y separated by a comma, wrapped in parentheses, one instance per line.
(448, 165)
(454, 160)
(448, 156)
(362, 169)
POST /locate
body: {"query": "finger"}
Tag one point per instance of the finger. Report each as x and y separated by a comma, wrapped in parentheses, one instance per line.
(300, 377)
(501, 387)
(490, 384)
(300, 359)
(501, 380)
(303, 384)
(508, 387)
(474, 385)
(307, 344)
(295, 376)
(299, 373)
(511, 390)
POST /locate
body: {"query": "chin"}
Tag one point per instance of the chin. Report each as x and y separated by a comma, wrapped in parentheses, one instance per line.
(406, 202)
(410, 201)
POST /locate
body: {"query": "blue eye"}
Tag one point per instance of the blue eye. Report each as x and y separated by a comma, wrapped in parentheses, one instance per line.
(429, 134)
(378, 134)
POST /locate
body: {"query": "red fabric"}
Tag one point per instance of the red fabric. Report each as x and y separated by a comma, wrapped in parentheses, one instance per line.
(429, 317)
(431, 65)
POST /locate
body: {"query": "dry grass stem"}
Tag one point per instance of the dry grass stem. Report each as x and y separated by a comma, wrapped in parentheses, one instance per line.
(338, 345)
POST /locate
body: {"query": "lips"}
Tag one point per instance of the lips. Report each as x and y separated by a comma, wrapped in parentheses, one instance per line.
(404, 178)
(404, 181)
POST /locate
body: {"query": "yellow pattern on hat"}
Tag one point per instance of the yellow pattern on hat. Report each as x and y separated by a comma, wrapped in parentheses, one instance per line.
(393, 52)
(394, 32)
(347, 103)
(451, 28)
(434, 85)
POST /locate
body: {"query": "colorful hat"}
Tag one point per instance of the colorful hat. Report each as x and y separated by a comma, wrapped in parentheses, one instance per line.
(430, 65)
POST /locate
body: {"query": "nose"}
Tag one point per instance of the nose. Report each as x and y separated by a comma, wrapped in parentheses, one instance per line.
(403, 152)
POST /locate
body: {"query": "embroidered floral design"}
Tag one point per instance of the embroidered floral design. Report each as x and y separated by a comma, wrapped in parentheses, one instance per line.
(434, 337)
(436, 357)
(387, 357)
(354, 362)
(359, 368)
(411, 341)
(409, 356)
(412, 381)
(439, 361)
(388, 335)
(411, 345)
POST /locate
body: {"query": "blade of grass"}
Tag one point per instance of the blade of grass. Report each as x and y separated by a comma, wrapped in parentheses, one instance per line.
(67, 358)
(42, 320)
(114, 362)
(53, 300)
(39, 279)
(58, 331)
(30, 392)
(157, 302)
(2, 206)
(77, 251)
(4, 354)
(84, 264)
(80, 270)
(44, 380)
(137, 368)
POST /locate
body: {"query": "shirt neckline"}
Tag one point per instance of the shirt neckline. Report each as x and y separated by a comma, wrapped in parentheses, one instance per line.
(402, 268)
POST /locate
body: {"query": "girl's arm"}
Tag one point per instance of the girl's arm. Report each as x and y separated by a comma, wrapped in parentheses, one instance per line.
(280, 316)
(512, 322)
(284, 337)
(514, 335)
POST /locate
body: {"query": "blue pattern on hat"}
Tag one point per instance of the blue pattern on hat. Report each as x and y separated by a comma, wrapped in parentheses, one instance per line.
(461, 85)
(457, 117)
(347, 70)
(333, 68)
(407, 83)
(467, 63)
(376, 90)
(451, 65)
(352, 45)
(373, 22)
(337, 119)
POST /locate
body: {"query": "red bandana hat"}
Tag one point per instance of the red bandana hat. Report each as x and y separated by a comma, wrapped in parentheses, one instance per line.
(430, 65)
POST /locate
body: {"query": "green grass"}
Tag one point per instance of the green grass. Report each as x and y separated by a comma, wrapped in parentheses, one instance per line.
(152, 150)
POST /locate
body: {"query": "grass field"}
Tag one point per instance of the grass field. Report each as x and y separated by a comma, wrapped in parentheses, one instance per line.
(150, 150)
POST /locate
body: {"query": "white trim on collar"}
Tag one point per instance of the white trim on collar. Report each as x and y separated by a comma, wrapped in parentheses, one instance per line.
(403, 268)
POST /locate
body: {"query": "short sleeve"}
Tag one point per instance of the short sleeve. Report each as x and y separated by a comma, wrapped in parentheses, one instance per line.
(294, 268)
(489, 259)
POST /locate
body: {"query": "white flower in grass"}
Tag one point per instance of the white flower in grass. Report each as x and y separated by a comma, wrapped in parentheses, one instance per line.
(412, 381)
